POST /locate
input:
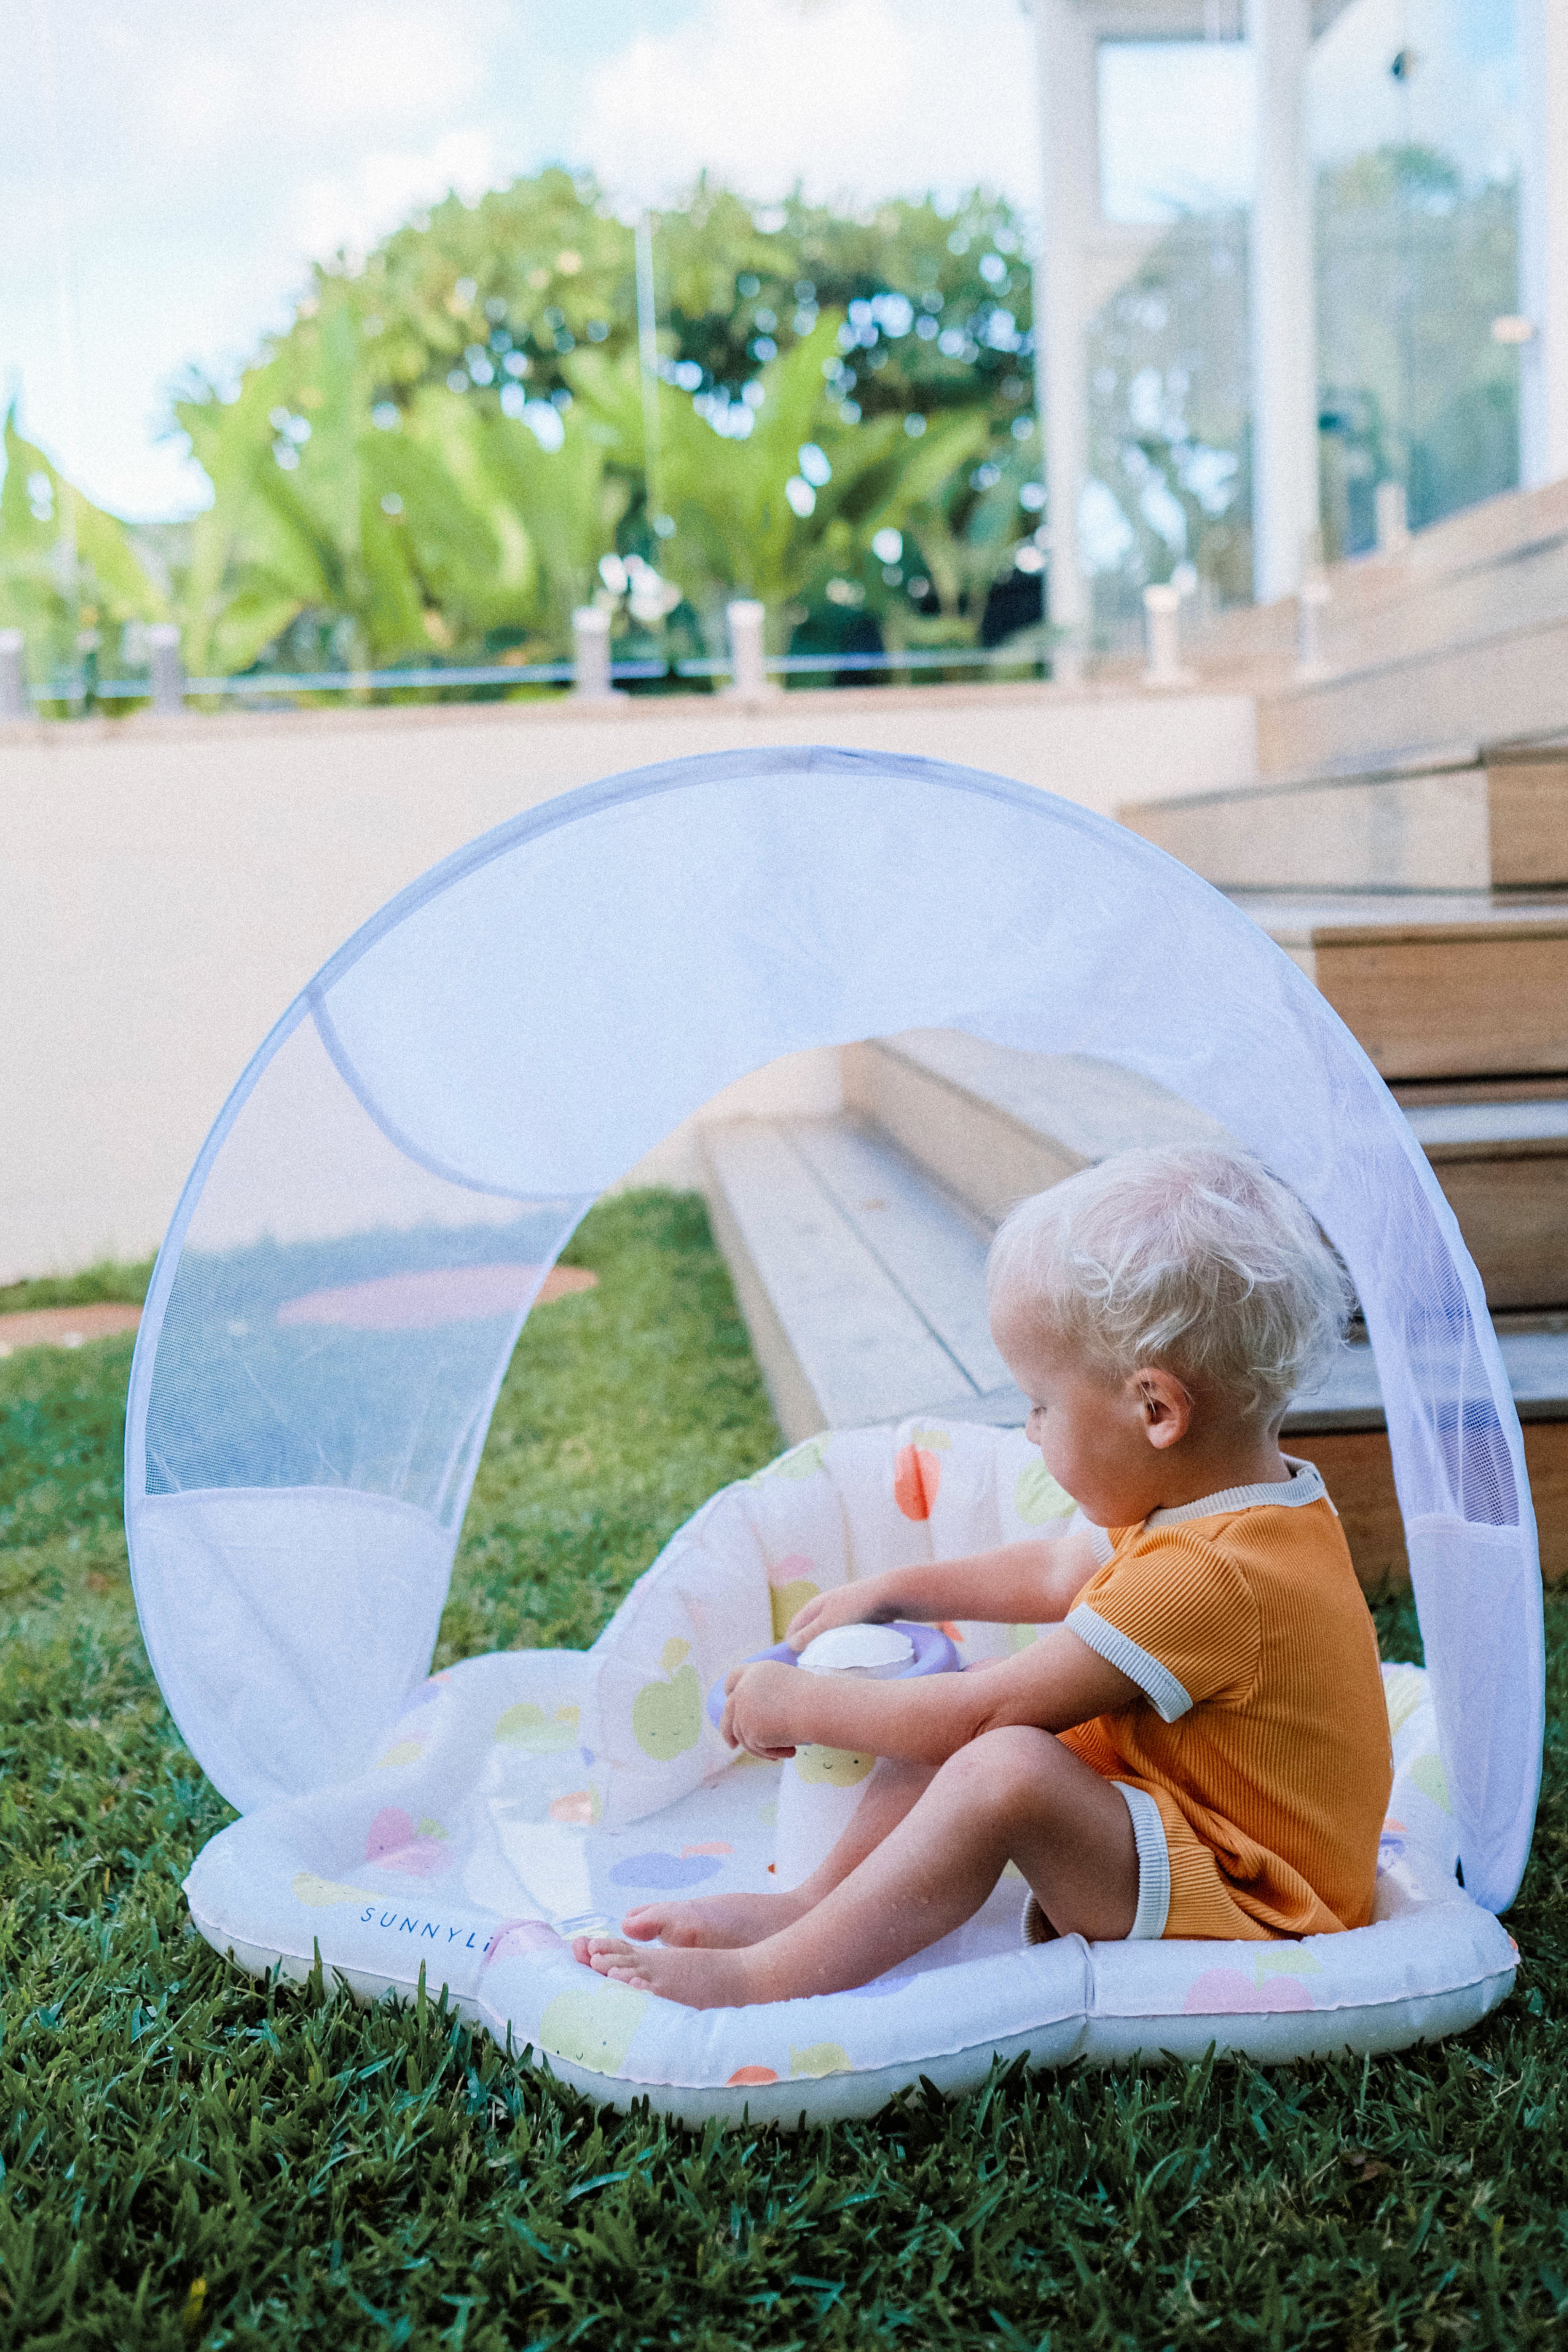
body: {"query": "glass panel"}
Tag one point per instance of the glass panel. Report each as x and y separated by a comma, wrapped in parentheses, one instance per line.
(1414, 126)
(1169, 493)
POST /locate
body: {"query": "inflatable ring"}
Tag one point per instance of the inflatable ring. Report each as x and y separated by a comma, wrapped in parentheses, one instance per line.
(529, 1793)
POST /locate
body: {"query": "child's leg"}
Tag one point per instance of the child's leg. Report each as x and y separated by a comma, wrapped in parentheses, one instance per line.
(724, 1922)
(1011, 1795)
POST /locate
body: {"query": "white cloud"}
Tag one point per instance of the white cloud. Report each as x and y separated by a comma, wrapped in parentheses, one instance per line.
(353, 209)
(853, 98)
(285, 75)
(384, 66)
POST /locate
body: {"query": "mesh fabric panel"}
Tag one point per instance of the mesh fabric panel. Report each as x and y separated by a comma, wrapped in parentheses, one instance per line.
(410, 1149)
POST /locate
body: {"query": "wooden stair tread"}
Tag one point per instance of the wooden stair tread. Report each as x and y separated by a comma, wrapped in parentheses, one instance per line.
(1393, 767)
(1377, 919)
(874, 1281)
(1350, 1398)
(1403, 768)
(1474, 1130)
(1090, 1109)
(875, 1277)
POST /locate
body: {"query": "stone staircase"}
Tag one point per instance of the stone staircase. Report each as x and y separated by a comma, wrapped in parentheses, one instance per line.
(1421, 896)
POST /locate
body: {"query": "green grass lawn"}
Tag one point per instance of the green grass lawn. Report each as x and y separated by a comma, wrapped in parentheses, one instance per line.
(192, 2159)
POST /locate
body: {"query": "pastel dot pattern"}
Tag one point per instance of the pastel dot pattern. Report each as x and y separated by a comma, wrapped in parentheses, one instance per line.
(917, 1475)
(1037, 1498)
(593, 2028)
(667, 1715)
(529, 1727)
(664, 1871)
(837, 1767)
(412, 1849)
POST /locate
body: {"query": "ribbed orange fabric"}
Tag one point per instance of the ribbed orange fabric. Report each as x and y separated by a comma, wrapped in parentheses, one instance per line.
(1274, 1784)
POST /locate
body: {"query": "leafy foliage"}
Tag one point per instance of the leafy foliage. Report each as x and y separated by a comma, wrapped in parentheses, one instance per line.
(67, 568)
(193, 2159)
(435, 455)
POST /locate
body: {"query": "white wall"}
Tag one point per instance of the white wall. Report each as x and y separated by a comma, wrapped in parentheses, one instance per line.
(166, 887)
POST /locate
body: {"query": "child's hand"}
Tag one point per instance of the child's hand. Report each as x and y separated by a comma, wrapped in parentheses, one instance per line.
(856, 1605)
(756, 1707)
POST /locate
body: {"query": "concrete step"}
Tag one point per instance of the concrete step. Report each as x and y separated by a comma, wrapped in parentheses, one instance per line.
(1437, 986)
(1461, 819)
(862, 1281)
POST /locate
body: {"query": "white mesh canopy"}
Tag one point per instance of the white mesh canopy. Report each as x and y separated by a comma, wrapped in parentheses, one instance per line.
(364, 1233)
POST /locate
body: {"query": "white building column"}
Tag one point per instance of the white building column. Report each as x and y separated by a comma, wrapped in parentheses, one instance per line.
(1544, 241)
(1070, 109)
(1281, 300)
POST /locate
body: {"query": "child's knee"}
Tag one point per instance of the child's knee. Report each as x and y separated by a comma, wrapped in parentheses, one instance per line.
(1003, 1770)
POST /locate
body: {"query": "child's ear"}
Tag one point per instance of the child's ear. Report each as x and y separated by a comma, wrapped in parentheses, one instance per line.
(1164, 1405)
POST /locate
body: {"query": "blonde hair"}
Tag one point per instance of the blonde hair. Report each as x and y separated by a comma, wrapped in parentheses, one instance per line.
(1198, 1260)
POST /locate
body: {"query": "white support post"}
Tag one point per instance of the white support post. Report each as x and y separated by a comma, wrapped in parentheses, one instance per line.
(1391, 521)
(168, 671)
(748, 661)
(1069, 139)
(1314, 596)
(15, 701)
(591, 655)
(1544, 241)
(1162, 631)
(1281, 300)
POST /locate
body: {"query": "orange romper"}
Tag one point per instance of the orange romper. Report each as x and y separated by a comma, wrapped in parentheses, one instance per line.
(1258, 1771)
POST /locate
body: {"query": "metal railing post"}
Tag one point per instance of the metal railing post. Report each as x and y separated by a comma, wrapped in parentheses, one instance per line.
(168, 671)
(14, 699)
(745, 619)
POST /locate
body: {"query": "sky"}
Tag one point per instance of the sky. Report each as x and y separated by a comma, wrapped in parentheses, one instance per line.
(168, 168)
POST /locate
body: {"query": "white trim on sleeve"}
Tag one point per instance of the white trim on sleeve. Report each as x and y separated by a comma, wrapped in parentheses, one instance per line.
(1153, 1866)
(1157, 1682)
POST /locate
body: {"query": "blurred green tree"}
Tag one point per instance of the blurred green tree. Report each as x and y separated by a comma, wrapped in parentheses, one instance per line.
(67, 568)
(445, 444)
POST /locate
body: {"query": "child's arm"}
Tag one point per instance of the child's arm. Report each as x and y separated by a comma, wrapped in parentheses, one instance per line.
(1057, 1682)
(1033, 1583)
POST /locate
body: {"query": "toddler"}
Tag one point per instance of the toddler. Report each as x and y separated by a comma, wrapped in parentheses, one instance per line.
(1196, 1743)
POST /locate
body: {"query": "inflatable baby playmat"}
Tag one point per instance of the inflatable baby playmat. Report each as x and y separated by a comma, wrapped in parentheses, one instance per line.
(338, 1299)
(526, 1795)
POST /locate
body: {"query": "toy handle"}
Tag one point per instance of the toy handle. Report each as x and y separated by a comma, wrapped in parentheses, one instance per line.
(934, 1654)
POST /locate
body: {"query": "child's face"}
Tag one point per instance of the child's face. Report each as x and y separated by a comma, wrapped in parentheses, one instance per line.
(1092, 1432)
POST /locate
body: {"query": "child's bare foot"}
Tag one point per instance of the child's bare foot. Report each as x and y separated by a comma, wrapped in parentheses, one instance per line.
(701, 1978)
(715, 1922)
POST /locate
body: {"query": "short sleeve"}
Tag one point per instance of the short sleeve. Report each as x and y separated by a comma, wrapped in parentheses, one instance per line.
(1177, 1616)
